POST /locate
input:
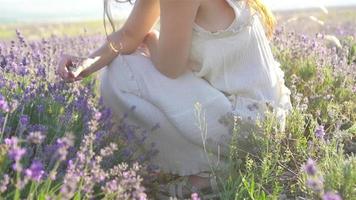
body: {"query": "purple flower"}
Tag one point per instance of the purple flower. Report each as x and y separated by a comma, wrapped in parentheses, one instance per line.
(24, 61)
(24, 119)
(40, 108)
(195, 196)
(17, 166)
(310, 167)
(14, 105)
(4, 183)
(331, 196)
(4, 106)
(62, 146)
(112, 185)
(320, 132)
(41, 72)
(316, 184)
(35, 172)
(97, 116)
(37, 127)
(23, 71)
(16, 153)
(35, 137)
(106, 114)
(11, 142)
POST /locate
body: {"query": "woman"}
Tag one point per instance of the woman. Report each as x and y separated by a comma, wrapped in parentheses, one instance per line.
(215, 52)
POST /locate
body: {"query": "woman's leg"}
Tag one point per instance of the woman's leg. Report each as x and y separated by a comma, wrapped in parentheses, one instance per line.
(132, 80)
(176, 98)
(176, 154)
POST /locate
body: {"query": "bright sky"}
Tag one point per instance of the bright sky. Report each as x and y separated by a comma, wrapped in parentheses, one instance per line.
(20, 10)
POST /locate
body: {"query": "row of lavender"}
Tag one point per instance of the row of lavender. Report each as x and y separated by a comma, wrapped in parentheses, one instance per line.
(54, 135)
(57, 140)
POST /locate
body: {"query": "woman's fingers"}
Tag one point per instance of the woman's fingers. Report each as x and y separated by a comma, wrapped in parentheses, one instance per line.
(62, 69)
(62, 66)
(79, 78)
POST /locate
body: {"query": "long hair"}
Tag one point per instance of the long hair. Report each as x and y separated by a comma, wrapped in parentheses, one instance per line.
(107, 14)
(266, 14)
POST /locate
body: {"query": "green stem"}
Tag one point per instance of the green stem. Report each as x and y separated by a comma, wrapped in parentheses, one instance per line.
(17, 191)
(3, 127)
(31, 192)
(48, 181)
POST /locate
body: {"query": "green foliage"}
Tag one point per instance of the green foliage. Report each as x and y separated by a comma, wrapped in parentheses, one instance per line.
(321, 95)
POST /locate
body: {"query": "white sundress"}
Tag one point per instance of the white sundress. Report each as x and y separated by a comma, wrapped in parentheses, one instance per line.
(234, 72)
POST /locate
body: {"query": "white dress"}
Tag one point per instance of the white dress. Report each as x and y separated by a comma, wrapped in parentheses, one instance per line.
(233, 72)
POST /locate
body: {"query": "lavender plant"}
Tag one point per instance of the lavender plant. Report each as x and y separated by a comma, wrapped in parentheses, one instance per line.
(54, 136)
(321, 127)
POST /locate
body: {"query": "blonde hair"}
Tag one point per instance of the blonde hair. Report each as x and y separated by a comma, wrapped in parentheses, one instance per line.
(266, 14)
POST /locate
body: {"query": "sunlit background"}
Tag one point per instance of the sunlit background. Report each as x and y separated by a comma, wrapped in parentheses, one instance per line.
(42, 18)
(73, 10)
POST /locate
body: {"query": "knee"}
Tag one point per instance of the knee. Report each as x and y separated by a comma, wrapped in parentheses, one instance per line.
(124, 74)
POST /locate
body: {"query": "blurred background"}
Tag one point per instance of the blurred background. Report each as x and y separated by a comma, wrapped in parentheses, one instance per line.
(70, 17)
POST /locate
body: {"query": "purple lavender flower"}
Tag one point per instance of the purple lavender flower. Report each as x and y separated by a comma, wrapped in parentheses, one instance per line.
(4, 182)
(40, 108)
(14, 105)
(35, 172)
(331, 196)
(35, 137)
(25, 61)
(24, 119)
(112, 185)
(3, 62)
(106, 114)
(97, 115)
(4, 106)
(11, 142)
(320, 132)
(23, 71)
(16, 153)
(310, 167)
(63, 145)
(17, 166)
(195, 196)
(41, 72)
(316, 184)
(38, 127)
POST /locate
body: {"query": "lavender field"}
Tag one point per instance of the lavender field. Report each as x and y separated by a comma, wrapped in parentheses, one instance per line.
(58, 140)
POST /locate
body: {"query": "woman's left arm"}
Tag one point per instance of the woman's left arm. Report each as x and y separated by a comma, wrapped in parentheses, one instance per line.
(170, 52)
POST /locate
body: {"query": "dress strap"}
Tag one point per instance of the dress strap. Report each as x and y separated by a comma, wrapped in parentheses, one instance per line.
(243, 18)
(237, 14)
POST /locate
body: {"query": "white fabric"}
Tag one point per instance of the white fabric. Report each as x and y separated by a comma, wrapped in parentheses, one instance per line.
(233, 72)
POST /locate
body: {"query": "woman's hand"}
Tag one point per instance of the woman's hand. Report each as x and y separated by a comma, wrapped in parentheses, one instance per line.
(65, 66)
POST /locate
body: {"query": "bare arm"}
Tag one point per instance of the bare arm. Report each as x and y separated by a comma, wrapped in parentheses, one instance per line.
(170, 52)
(141, 20)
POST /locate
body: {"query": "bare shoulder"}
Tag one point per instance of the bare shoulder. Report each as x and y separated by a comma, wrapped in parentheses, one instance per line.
(175, 3)
(182, 8)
